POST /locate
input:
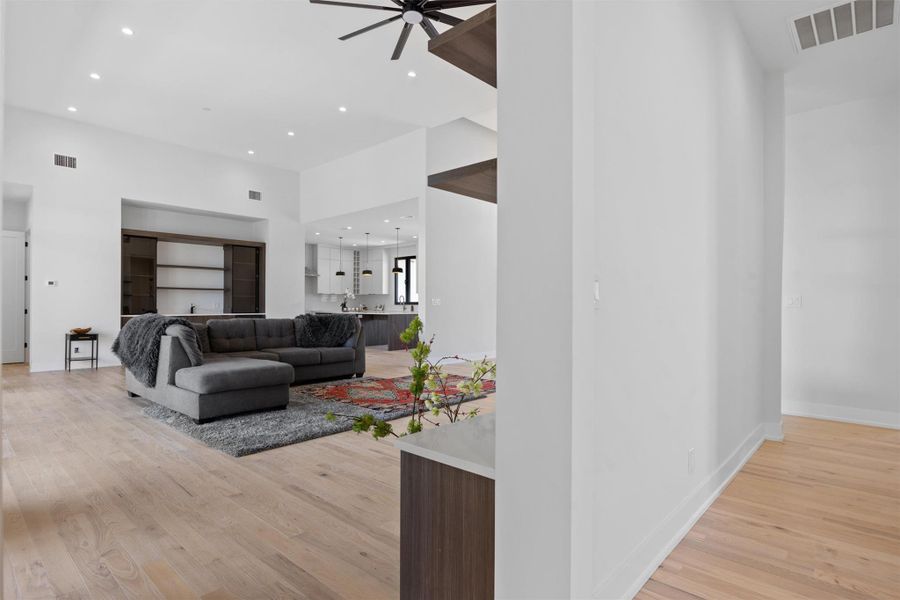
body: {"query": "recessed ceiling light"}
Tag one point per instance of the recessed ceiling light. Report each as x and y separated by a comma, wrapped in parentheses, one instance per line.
(95, 75)
(415, 237)
(317, 233)
(411, 74)
(291, 133)
(251, 152)
(127, 31)
(407, 217)
(349, 227)
(342, 108)
(354, 244)
(72, 109)
(387, 220)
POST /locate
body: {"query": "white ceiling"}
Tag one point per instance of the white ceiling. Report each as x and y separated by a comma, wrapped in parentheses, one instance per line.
(404, 215)
(856, 67)
(263, 68)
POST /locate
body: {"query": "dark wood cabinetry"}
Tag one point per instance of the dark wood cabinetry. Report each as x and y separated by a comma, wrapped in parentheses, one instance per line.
(244, 268)
(138, 274)
(245, 285)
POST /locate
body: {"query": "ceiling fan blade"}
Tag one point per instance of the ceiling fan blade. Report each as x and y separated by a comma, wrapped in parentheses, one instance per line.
(404, 35)
(429, 28)
(369, 28)
(442, 4)
(443, 18)
(354, 5)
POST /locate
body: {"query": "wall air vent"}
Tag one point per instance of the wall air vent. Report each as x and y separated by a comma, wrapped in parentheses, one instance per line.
(841, 21)
(254, 195)
(61, 160)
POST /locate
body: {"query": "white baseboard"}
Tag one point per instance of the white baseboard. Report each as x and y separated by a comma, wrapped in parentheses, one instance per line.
(845, 414)
(774, 431)
(631, 575)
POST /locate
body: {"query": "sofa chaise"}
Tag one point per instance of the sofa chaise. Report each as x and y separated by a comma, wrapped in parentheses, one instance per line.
(248, 365)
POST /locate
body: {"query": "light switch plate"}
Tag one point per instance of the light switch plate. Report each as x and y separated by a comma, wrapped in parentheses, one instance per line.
(793, 301)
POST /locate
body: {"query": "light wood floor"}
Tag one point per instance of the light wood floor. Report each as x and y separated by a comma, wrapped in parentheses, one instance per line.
(817, 516)
(102, 502)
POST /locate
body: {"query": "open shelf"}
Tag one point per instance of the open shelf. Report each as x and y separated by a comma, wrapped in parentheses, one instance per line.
(191, 267)
(471, 46)
(198, 289)
(478, 180)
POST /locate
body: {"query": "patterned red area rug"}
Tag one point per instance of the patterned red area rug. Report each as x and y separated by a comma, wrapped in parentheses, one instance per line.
(380, 394)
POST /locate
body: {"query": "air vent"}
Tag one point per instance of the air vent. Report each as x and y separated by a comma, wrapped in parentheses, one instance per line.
(61, 160)
(841, 21)
(254, 195)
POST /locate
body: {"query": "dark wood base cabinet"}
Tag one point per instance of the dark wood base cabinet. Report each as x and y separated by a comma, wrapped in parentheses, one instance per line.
(446, 532)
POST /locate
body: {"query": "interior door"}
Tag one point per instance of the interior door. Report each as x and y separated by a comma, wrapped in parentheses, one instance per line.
(13, 275)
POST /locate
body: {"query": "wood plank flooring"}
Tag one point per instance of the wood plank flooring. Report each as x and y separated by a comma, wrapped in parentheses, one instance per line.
(102, 502)
(817, 516)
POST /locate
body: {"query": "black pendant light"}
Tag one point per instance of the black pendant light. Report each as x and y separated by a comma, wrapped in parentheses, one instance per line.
(340, 271)
(397, 269)
(367, 272)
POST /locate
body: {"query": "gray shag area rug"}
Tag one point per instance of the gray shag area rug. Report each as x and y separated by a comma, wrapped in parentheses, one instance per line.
(304, 419)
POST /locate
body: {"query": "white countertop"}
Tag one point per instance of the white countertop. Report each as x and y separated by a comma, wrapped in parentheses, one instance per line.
(364, 312)
(466, 445)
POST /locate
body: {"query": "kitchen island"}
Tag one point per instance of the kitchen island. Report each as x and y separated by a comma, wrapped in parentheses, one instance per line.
(383, 328)
(447, 511)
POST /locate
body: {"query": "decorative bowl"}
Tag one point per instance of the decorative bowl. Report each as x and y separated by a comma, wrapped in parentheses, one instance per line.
(81, 330)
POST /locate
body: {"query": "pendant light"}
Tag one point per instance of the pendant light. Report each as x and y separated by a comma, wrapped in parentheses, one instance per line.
(367, 272)
(340, 271)
(397, 270)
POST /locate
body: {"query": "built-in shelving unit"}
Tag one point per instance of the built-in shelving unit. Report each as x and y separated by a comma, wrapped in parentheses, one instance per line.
(471, 46)
(233, 277)
(477, 180)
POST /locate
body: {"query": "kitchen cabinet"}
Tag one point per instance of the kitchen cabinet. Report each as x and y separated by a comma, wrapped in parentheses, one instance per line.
(328, 262)
(378, 283)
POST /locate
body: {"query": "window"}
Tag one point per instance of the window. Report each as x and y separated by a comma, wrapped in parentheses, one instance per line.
(406, 284)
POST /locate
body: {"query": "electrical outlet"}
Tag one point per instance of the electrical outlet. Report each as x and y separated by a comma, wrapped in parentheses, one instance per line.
(691, 461)
(51, 283)
(435, 301)
(76, 349)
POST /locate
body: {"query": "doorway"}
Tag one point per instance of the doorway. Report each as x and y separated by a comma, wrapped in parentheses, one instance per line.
(14, 300)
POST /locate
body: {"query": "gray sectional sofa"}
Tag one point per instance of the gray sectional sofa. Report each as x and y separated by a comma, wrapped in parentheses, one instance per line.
(247, 365)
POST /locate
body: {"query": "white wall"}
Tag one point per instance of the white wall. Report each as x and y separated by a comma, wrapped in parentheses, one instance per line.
(460, 248)
(383, 174)
(842, 258)
(76, 218)
(151, 218)
(674, 203)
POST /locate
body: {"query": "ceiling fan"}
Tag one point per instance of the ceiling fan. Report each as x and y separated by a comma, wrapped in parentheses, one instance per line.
(413, 12)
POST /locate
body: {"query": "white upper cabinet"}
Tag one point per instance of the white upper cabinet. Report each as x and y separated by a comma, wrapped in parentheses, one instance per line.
(378, 282)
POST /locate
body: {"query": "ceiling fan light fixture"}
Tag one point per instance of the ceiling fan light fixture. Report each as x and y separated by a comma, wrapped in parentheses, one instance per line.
(413, 17)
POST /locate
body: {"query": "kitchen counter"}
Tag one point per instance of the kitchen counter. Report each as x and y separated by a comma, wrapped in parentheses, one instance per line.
(447, 510)
(466, 445)
(363, 312)
(382, 327)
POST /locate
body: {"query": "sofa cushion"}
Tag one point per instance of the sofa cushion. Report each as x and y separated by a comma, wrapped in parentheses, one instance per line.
(336, 355)
(202, 337)
(233, 374)
(257, 354)
(299, 357)
(274, 333)
(188, 338)
(231, 335)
